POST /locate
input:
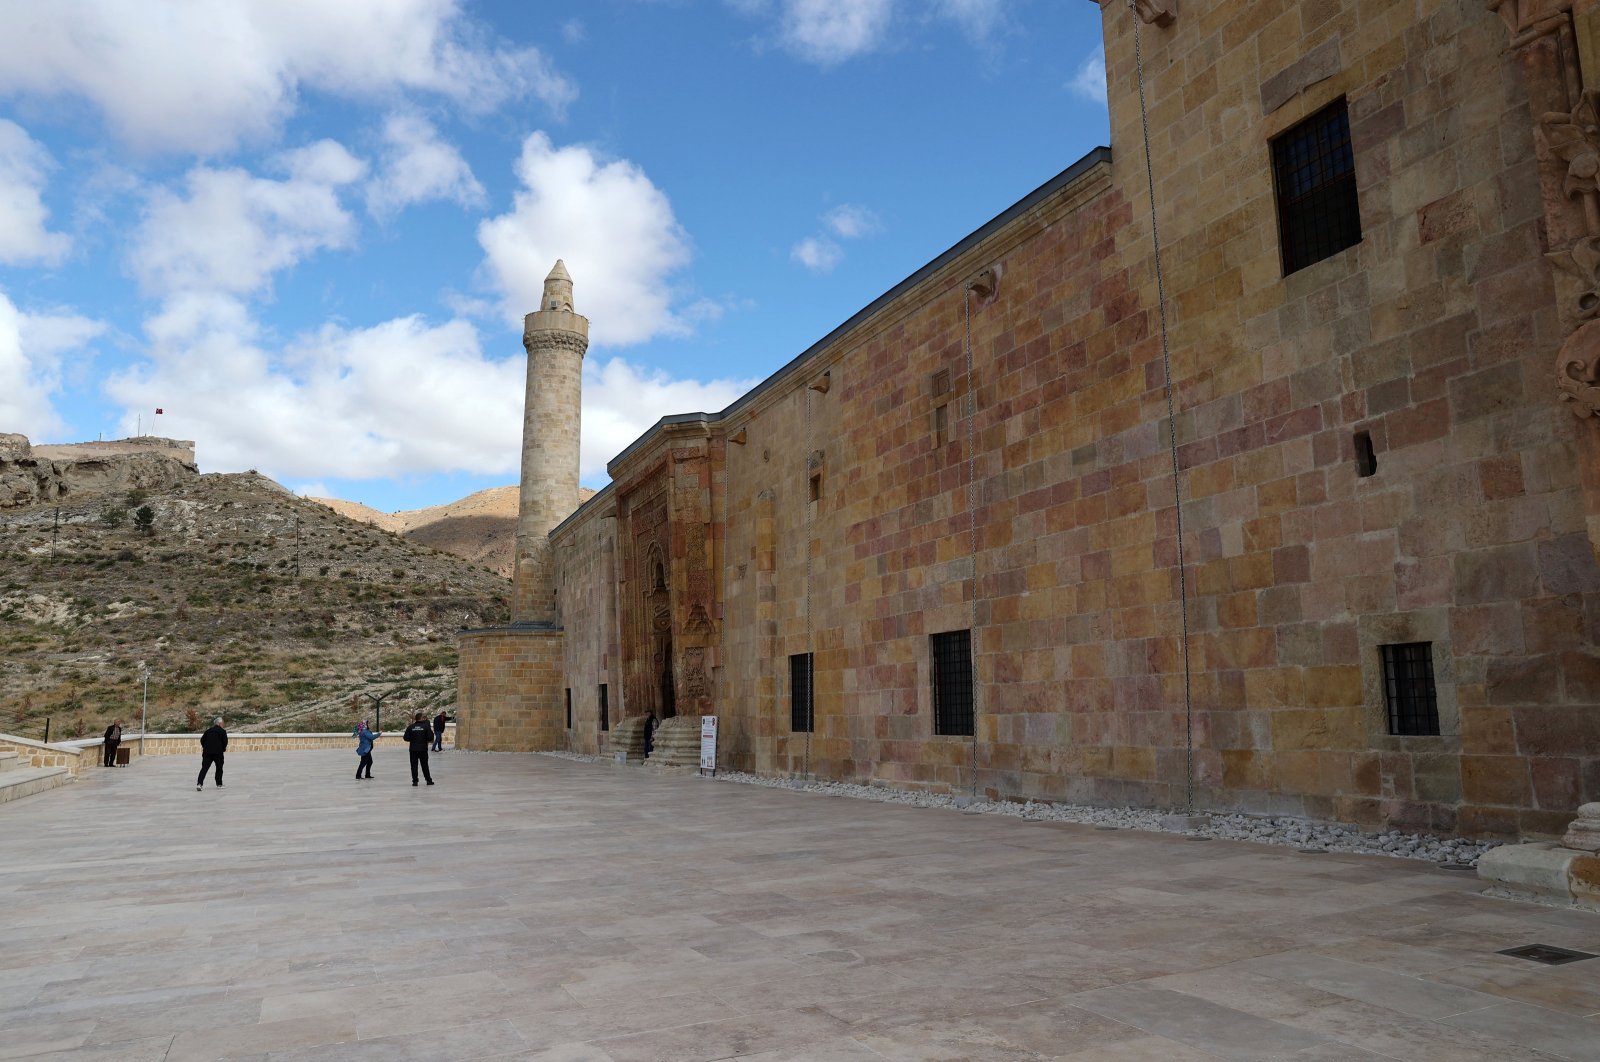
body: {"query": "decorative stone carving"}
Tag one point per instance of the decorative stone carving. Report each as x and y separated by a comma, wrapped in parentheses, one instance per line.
(1528, 20)
(695, 684)
(1578, 369)
(1544, 37)
(1157, 12)
(699, 622)
(1584, 833)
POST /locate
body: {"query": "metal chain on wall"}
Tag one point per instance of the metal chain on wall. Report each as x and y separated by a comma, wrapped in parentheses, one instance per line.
(811, 667)
(1172, 425)
(972, 533)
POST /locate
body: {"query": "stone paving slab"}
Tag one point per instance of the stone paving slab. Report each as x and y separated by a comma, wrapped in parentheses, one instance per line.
(530, 907)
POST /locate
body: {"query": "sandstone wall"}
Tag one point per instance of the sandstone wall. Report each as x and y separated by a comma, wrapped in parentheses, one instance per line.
(587, 596)
(1054, 535)
(510, 684)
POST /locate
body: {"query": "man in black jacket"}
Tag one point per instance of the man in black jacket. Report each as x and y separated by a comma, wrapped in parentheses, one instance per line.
(419, 735)
(213, 743)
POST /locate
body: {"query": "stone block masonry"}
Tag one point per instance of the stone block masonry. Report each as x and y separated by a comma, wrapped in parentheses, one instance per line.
(1373, 450)
(511, 691)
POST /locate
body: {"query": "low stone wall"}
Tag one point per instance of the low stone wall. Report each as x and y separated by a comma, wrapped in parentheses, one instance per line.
(87, 753)
(38, 754)
(189, 744)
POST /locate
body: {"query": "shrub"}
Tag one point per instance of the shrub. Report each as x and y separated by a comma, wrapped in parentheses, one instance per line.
(144, 519)
(113, 515)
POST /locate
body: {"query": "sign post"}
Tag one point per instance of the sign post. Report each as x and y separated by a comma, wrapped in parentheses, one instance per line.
(708, 744)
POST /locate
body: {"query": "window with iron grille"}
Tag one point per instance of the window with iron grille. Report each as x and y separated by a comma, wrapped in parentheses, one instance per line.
(952, 682)
(802, 714)
(605, 708)
(1314, 171)
(1408, 687)
(569, 709)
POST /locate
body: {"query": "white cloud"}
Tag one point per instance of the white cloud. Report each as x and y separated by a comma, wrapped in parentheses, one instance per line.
(313, 489)
(231, 230)
(977, 18)
(828, 32)
(400, 398)
(817, 253)
(24, 165)
(572, 31)
(417, 166)
(622, 400)
(1090, 80)
(614, 229)
(850, 222)
(31, 349)
(847, 221)
(203, 76)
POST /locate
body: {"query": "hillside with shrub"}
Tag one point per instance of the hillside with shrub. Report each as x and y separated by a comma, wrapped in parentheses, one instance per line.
(244, 601)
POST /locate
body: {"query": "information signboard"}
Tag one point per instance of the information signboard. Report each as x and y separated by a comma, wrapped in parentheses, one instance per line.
(708, 743)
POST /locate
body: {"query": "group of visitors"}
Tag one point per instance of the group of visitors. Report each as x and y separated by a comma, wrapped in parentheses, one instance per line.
(420, 736)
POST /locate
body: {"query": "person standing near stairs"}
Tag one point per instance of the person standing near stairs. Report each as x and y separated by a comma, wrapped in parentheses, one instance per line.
(213, 743)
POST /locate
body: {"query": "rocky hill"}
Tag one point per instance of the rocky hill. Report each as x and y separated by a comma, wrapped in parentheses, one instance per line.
(481, 527)
(45, 475)
(244, 600)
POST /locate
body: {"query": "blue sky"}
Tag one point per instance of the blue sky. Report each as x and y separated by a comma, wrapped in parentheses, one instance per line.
(307, 229)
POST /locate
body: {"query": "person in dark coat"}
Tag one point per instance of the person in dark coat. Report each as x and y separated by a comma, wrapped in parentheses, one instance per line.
(364, 739)
(438, 732)
(419, 735)
(213, 743)
(650, 734)
(113, 739)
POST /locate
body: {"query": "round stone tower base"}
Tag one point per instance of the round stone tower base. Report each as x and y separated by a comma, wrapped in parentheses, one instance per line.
(509, 690)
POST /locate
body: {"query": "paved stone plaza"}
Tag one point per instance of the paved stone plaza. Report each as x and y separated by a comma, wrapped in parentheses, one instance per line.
(535, 908)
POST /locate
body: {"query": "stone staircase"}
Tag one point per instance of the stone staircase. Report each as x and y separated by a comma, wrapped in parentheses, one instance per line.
(18, 780)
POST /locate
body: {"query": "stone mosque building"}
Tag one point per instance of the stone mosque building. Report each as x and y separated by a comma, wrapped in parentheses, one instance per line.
(954, 545)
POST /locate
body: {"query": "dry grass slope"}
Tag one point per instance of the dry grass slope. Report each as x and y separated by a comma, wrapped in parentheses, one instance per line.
(244, 600)
(481, 528)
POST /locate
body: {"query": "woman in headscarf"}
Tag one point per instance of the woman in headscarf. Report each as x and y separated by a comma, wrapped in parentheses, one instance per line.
(364, 739)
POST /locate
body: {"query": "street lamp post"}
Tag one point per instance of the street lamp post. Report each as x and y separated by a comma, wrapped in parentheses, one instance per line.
(144, 708)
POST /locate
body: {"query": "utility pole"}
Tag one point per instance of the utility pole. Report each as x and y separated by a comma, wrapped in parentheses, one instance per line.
(55, 532)
(144, 710)
(297, 546)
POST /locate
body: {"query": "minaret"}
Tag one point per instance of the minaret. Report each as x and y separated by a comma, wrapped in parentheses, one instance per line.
(555, 339)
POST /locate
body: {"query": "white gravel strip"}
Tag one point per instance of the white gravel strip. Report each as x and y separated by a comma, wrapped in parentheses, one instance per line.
(1303, 834)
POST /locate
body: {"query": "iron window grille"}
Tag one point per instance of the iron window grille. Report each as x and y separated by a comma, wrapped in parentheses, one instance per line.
(1314, 172)
(569, 709)
(952, 682)
(1408, 687)
(802, 711)
(605, 708)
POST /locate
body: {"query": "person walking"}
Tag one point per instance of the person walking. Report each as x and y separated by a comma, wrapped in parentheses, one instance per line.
(213, 743)
(418, 735)
(113, 739)
(438, 731)
(364, 739)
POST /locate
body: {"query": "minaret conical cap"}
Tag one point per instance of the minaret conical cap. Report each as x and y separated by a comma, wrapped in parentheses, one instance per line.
(557, 289)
